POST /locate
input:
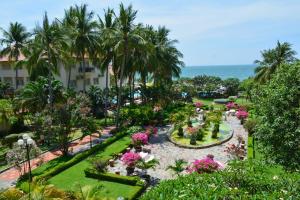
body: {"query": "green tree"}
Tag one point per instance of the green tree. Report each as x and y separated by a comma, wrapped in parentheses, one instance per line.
(84, 34)
(278, 126)
(14, 39)
(272, 59)
(232, 86)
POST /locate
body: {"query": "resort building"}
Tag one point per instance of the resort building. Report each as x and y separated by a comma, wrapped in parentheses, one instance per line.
(93, 75)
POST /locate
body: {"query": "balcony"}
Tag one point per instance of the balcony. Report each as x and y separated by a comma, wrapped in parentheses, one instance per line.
(87, 69)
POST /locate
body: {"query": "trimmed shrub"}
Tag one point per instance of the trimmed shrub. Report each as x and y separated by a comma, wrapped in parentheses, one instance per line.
(128, 180)
(180, 132)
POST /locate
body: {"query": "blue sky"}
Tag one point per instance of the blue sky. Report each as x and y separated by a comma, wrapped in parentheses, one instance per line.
(209, 32)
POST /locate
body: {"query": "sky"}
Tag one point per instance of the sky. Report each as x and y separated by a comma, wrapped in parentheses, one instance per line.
(219, 32)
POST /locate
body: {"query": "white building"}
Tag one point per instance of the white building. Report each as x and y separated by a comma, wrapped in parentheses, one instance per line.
(93, 76)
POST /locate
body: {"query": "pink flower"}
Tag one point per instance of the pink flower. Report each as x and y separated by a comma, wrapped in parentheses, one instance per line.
(198, 104)
(151, 130)
(130, 158)
(192, 130)
(241, 114)
(205, 165)
(231, 105)
(139, 138)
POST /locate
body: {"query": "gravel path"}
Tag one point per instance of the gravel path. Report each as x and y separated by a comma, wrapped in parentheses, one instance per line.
(166, 152)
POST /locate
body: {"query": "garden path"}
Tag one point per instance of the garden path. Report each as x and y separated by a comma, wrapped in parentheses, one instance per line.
(166, 152)
(9, 177)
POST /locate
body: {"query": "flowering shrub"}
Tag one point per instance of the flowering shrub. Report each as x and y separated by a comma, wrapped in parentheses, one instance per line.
(231, 105)
(157, 108)
(192, 130)
(140, 138)
(234, 151)
(205, 165)
(151, 130)
(242, 114)
(198, 104)
(130, 158)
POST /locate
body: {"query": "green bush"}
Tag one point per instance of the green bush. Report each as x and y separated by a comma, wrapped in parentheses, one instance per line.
(215, 130)
(200, 135)
(180, 132)
(10, 139)
(193, 139)
(128, 180)
(241, 180)
(138, 115)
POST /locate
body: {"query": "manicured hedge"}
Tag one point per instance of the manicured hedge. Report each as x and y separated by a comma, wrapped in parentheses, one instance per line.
(128, 180)
(76, 159)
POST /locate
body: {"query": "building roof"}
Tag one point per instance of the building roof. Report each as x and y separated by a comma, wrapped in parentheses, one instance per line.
(6, 59)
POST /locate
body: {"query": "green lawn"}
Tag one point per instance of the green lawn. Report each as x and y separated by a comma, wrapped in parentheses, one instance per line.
(207, 140)
(70, 178)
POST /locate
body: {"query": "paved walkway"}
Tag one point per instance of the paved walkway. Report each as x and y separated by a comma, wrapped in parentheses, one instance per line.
(9, 177)
(166, 152)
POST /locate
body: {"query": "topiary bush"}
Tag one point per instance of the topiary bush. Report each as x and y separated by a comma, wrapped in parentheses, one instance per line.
(180, 132)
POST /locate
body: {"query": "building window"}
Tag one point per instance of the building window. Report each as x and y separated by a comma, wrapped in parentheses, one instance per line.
(73, 83)
(20, 81)
(96, 81)
(87, 82)
(8, 80)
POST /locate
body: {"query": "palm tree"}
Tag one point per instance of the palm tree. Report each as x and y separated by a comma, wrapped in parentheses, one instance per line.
(179, 166)
(46, 51)
(142, 164)
(106, 26)
(272, 59)
(84, 34)
(15, 38)
(127, 39)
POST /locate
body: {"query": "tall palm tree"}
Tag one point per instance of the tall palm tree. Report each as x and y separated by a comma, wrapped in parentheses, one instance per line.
(107, 26)
(127, 38)
(272, 59)
(46, 50)
(15, 38)
(84, 34)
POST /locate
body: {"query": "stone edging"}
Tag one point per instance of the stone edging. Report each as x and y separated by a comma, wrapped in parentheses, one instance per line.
(197, 147)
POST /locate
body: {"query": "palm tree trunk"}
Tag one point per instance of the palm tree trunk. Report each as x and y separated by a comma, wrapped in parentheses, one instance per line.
(83, 68)
(133, 87)
(69, 77)
(17, 82)
(50, 82)
(106, 96)
(121, 82)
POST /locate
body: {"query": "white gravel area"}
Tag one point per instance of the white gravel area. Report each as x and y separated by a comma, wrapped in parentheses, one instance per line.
(166, 152)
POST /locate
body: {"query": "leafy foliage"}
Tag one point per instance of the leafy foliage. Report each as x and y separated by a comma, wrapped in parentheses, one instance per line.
(241, 180)
(278, 127)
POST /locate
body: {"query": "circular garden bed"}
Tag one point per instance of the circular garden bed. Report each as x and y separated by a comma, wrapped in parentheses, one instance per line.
(225, 134)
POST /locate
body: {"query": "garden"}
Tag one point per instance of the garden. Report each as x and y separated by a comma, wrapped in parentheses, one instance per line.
(195, 138)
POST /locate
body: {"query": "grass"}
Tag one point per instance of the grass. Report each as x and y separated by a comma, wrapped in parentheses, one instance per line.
(207, 140)
(71, 177)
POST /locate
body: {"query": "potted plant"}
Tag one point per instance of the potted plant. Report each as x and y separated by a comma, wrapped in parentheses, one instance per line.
(178, 167)
(193, 139)
(139, 139)
(130, 159)
(144, 166)
(200, 134)
(180, 132)
(242, 115)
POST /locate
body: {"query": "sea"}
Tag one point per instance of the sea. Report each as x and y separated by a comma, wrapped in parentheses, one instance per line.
(223, 71)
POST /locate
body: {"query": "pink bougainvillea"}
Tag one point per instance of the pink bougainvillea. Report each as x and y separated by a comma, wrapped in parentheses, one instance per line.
(139, 138)
(151, 130)
(130, 158)
(242, 114)
(231, 105)
(192, 130)
(205, 165)
(198, 104)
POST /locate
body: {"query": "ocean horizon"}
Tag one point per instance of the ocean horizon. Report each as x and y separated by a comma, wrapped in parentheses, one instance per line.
(223, 71)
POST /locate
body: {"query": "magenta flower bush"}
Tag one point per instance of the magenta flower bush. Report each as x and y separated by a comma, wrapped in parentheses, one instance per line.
(242, 114)
(205, 165)
(192, 130)
(130, 158)
(231, 105)
(198, 104)
(151, 130)
(140, 138)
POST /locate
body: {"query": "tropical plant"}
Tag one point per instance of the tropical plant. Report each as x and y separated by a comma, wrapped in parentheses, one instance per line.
(272, 59)
(142, 164)
(84, 35)
(178, 167)
(96, 97)
(14, 39)
(277, 128)
(232, 86)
